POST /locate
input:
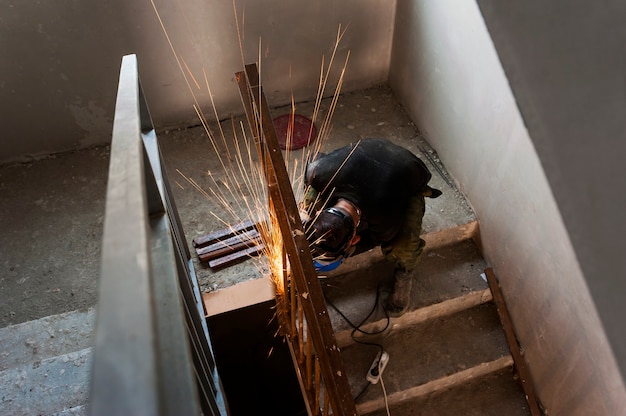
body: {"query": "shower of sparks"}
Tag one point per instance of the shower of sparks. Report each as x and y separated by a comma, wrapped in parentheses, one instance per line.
(240, 188)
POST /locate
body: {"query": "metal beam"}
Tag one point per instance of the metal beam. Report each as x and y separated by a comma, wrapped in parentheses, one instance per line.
(151, 342)
(124, 378)
(295, 243)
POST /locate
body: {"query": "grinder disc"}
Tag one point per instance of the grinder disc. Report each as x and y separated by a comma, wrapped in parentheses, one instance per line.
(304, 131)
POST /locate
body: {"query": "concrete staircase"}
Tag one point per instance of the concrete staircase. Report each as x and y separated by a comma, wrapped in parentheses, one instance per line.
(45, 364)
(448, 354)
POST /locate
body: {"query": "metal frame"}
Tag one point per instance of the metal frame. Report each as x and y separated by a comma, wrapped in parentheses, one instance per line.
(302, 311)
(152, 351)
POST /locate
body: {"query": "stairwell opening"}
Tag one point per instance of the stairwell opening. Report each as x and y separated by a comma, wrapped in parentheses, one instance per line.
(254, 363)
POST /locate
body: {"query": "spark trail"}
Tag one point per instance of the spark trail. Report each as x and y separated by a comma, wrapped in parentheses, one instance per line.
(239, 187)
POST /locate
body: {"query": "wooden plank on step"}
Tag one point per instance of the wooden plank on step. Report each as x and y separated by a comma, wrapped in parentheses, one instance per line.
(511, 338)
(440, 384)
(240, 295)
(418, 316)
(434, 240)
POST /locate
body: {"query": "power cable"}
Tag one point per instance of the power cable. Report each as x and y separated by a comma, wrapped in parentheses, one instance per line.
(382, 384)
(357, 328)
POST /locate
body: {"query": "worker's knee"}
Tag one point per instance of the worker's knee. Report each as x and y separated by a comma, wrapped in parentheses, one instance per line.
(405, 249)
(404, 254)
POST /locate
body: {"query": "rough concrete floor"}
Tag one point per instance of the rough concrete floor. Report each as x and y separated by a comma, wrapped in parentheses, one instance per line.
(51, 217)
(52, 210)
(371, 113)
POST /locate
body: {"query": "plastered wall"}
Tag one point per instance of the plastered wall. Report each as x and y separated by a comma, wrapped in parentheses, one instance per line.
(447, 73)
(61, 61)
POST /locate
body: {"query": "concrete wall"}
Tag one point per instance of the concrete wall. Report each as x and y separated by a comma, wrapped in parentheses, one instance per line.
(446, 72)
(61, 60)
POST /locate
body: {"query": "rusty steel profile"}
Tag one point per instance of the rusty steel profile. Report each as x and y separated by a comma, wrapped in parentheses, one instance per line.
(303, 312)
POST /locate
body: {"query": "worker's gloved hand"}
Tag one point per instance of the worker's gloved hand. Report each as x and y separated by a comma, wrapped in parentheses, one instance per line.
(327, 266)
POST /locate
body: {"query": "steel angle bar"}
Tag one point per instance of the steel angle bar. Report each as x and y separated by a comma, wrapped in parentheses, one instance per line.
(296, 245)
(142, 355)
(124, 372)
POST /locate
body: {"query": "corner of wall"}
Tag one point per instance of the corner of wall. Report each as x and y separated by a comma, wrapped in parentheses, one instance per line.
(447, 74)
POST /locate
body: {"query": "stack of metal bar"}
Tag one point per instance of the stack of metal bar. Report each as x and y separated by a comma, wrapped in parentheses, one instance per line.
(230, 245)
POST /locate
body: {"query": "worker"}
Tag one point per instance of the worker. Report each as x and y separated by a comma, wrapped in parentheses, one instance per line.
(367, 194)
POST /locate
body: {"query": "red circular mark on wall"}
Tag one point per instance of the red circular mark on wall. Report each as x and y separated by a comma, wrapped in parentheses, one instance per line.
(294, 131)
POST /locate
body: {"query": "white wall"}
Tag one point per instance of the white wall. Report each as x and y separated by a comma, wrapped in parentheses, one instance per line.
(446, 72)
(61, 60)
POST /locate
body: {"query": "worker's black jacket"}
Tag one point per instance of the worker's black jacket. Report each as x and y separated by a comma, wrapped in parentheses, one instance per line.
(378, 176)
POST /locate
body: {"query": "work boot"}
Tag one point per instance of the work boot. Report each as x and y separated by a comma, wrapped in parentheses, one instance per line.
(400, 298)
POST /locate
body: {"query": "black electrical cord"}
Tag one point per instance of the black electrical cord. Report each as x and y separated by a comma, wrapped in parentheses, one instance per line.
(358, 328)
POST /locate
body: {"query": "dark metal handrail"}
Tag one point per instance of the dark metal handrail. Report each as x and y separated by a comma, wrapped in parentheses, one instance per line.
(152, 353)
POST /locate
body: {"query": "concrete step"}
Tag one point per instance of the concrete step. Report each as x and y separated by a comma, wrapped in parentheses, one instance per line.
(416, 317)
(440, 354)
(489, 389)
(47, 337)
(45, 364)
(55, 385)
(450, 267)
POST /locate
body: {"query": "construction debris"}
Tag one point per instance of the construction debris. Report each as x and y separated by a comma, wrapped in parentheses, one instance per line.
(225, 247)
